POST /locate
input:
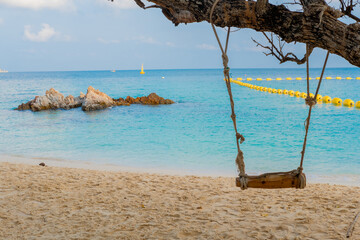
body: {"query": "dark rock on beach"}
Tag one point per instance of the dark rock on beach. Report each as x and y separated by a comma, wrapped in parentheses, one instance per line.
(93, 100)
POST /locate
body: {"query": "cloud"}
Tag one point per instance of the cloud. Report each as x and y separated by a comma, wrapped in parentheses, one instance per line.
(40, 4)
(144, 39)
(45, 34)
(108, 41)
(205, 46)
(122, 4)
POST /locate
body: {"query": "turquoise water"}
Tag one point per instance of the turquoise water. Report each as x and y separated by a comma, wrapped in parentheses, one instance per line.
(193, 135)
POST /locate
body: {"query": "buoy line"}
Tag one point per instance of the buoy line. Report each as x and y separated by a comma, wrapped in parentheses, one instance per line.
(320, 99)
(292, 78)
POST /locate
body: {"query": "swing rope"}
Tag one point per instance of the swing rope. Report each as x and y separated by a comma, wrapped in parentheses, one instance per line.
(239, 137)
(310, 101)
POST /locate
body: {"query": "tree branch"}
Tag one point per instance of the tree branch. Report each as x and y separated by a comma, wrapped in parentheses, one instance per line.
(317, 25)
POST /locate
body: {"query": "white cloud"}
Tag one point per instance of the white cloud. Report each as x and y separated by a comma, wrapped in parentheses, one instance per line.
(108, 41)
(170, 44)
(206, 46)
(144, 39)
(40, 4)
(122, 4)
(45, 34)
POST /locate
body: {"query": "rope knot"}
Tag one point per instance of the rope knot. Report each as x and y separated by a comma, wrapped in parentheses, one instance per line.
(310, 101)
(241, 137)
(225, 60)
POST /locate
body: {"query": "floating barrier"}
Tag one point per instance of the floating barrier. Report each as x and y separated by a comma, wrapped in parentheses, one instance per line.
(357, 104)
(297, 78)
(348, 103)
(327, 99)
(320, 99)
(337, 101)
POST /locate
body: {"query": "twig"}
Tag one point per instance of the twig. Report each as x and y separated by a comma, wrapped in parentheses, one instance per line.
(352, 226)
(277, 50)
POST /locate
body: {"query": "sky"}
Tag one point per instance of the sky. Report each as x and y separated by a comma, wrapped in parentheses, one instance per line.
(72, 35)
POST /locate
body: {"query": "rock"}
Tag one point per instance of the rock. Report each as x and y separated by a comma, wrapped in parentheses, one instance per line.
(96, 100)
(93, 100)
(51, 100)
(71, 102)
(42, 164)
(154, 99)
(129, 100)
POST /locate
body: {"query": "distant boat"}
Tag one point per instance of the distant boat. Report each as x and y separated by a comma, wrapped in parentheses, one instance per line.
(3, 71)
(142, 69)
(113, 70)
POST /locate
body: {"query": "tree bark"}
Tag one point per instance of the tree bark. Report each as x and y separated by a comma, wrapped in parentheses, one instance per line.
(317, 25)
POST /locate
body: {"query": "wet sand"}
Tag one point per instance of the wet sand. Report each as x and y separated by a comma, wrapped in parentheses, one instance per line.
(64, 203)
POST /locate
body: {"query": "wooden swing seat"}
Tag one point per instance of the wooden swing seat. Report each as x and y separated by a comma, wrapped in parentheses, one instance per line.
(291, 179)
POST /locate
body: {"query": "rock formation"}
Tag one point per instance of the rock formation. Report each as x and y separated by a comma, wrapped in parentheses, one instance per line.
(51, 100)
(93, 100)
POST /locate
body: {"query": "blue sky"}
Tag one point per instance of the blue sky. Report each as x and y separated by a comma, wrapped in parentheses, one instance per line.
(65, 35)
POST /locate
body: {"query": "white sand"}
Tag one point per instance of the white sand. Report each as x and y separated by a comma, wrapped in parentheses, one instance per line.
(62, 203)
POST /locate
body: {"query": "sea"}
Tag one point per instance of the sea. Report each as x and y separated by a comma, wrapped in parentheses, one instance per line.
(193, 136)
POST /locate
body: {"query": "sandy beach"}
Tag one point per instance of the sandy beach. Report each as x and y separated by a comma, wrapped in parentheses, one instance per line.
(64, 203)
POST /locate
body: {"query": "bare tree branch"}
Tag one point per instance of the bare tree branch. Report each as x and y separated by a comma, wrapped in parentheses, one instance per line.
(276, 50)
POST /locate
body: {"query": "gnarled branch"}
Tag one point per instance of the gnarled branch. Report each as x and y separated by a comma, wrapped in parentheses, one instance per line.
(317, 25)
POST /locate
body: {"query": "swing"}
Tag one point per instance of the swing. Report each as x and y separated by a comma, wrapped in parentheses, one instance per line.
(292, 179)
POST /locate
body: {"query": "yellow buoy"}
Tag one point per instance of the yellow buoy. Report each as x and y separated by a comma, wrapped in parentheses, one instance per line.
(249, 79)
(297, 94)
(328, 78)
(348, 103)
(357, 104)
(274, 90)
(270, 90)
(278, 78)
(291, 93)
(280, 91)
(303, 95)
(265, 89)
(286, 92)
(298, 78)
(288, 78)
(310, 78)
(348, 78)
(326, 99)
(319, 98)
(311, 95)
(339, 78)
(259, 79)
(231, 79)
(142, 69)
(262, 89)
(258, 88)
(358, 78)
(268, 79)
(337, 101)
(317, 78)
(239, 79)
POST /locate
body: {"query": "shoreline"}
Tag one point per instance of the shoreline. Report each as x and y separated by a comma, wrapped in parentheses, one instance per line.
(335, 179)
(63, 203)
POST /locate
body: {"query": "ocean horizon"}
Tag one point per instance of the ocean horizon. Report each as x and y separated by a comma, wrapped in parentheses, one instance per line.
(193, 136)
